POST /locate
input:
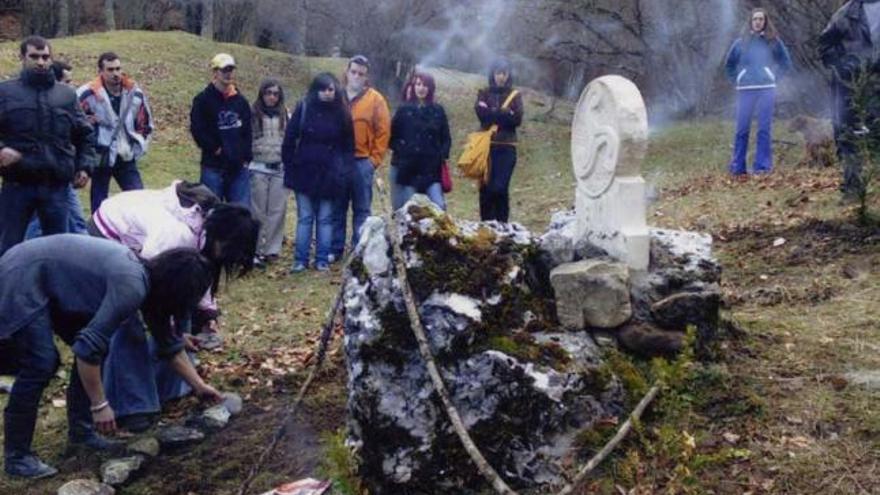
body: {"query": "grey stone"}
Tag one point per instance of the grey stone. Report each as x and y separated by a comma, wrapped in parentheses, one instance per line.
(591, 293)
(175, 436)
(118, 471)
(215, 418)
(233, 403)
(147, 446)
(85, 487)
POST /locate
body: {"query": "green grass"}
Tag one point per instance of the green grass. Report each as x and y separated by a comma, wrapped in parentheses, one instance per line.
(781, 369)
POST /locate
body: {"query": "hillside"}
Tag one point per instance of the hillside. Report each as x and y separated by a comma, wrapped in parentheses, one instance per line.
(807, 307)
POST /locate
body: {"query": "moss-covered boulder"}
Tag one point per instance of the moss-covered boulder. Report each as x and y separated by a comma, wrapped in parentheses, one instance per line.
(524, 387)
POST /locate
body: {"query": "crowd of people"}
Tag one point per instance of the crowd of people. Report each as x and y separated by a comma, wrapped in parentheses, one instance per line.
(148, 260)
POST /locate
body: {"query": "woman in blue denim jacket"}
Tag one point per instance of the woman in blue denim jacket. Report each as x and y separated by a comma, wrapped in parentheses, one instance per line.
(755, 64)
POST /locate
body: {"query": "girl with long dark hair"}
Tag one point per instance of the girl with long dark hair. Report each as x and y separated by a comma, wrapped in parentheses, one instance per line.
(420, 141)
(268, 194)
(318, 154)
(756, 62)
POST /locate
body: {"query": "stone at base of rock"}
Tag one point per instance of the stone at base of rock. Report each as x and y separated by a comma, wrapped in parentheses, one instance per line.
(591, 293)
(214, 418)
(178, 436)
(85, 487)
(118, 471)
(147, 446)
(647, 340)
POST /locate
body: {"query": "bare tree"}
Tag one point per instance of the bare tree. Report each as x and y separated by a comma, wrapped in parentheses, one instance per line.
(63, 23)
(207, 27)
(109, 15)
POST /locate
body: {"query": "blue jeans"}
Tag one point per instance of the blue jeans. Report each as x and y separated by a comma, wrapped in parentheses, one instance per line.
(126, 174)
(400, 193)
(317, 214)
(38, 360)
(76, 224)
(18, 202)
(748, 103)
(232, 186)
(360, 196)
(136, 381)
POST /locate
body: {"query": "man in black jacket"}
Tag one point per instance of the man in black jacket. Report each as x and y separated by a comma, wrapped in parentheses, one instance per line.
(45, 143)
(848, 46)
(220, 122)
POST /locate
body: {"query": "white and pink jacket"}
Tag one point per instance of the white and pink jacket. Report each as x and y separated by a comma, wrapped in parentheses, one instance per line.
(152, 221)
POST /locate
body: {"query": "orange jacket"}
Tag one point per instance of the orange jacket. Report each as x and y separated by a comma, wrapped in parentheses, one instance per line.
(372, 125)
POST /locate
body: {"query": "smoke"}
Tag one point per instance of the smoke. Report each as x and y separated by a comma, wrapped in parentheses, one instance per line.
(465, 35)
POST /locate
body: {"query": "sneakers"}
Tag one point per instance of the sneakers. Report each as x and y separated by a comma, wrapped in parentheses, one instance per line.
(259, 262)
(298, 268)
(136, 423)
(28, 466)
(93, 441)
(322, 266)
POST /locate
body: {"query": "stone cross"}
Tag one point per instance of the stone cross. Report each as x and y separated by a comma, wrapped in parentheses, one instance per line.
(609, 138)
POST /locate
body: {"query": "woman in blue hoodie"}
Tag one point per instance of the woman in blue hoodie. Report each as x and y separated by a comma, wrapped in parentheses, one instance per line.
(755, 63)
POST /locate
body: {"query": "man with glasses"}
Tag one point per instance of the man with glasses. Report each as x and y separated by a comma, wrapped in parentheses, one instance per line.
(45, 143)
(118, 108)
(372, 131)
(220, 122)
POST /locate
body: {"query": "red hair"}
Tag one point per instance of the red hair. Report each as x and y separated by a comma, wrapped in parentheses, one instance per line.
(409, 93)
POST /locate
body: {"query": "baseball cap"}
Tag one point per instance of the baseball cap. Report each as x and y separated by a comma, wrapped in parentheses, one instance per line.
(222, 60)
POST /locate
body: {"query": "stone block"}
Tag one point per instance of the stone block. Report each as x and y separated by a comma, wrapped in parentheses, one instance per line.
(591, 293)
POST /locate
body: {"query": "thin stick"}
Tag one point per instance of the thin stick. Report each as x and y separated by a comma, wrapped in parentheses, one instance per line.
(290, 409)
(612, 444)
(425, 350)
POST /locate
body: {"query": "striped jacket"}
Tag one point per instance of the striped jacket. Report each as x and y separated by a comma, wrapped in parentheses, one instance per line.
(138, 123)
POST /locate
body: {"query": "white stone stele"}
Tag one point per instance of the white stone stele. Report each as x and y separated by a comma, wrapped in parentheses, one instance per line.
(609, 138)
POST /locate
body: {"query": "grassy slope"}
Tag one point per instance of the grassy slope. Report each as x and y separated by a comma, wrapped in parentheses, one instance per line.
(792, 345)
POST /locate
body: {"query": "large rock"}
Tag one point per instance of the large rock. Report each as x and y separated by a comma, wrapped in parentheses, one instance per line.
(523, 387)
(591, 293)
(85, 487)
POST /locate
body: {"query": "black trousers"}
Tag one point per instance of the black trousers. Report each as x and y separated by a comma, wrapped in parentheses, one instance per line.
(495, 195)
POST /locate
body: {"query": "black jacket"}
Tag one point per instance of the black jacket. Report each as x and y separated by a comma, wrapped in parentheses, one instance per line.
(507, 120)
(845, 44)
(47, 126)
(318, 155)
(222, 122)
(420, 141)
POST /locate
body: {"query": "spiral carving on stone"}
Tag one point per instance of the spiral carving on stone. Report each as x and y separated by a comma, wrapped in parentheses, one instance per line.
(602, 125)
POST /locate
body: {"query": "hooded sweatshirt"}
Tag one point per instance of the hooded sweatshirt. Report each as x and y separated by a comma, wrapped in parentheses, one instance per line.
(222, 121)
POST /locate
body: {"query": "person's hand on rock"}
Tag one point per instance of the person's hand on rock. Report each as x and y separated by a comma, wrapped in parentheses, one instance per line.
(209, 394)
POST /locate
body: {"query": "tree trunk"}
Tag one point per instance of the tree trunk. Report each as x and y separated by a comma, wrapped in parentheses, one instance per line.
(300, 25)
(63, 19)
(208, 19)
(109, 15)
